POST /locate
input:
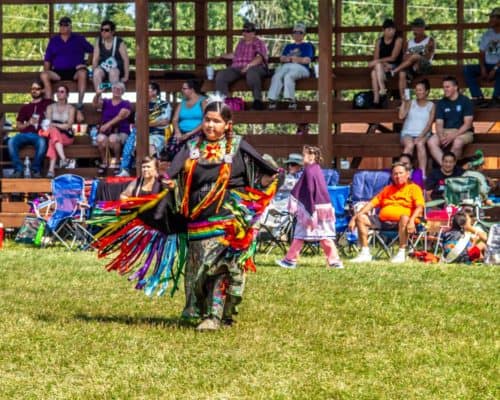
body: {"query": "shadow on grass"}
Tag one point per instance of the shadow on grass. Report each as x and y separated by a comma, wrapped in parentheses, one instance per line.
(132, 320)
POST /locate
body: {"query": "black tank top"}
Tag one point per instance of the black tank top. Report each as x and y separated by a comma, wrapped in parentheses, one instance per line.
(386, 50)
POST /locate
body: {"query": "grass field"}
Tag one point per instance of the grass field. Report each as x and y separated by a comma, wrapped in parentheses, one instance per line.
(68, 329)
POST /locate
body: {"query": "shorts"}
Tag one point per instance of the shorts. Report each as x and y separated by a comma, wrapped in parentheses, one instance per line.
(158, 141)
(467, 137)
(379, 225)
(67, 74)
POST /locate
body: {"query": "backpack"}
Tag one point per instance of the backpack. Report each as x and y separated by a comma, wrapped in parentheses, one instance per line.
(362, 100)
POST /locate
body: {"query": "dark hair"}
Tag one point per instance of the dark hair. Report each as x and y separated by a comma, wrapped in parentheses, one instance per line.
(194, 84)
(155, 86)
(62, 85)
(149, 159)
(222, 108)
(424, 82)
(399, 164)
(111, 24)
(449, 154)
(458, 221)
(316, 151)
(451, 79)
(408, 156)
(38, 82)
(388, 23)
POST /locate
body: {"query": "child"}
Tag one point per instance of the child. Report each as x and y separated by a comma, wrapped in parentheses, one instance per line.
(463, 243)
(310, 203)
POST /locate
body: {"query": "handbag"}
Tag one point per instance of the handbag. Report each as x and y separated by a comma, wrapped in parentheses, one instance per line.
(362, 100)
(109, 63)
(235, 103)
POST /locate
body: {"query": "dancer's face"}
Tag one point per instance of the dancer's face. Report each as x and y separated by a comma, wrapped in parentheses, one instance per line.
(214, 126)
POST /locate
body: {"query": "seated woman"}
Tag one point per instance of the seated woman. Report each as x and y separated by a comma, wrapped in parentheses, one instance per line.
(464, 243)
(61, 116)
(115, 126)
(418, 115)
(416, 174)
(188, 117)
(147, 183)
(387, 56)
(110, 60)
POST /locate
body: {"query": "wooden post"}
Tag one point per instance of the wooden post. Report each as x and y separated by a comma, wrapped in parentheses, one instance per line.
(201, 40)
(325, 102)
(141, 81)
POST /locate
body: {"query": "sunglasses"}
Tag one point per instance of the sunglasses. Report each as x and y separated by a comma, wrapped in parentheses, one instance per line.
(248, 30)
(64, 24)
(298, 32)
(105, 29)
(61, 91)
(36, 88)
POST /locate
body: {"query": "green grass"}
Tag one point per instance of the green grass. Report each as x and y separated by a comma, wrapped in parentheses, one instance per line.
(69, 329)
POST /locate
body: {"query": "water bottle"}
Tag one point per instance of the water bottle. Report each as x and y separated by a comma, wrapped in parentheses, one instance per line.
(93, 135)
(90, 72)
(27, 167)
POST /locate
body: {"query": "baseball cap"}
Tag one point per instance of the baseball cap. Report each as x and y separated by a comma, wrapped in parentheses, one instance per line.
(299, 27)
(65, 20)
(495, 12)
(295, 158)
(388, 23)
(249, 26)
(418, 22)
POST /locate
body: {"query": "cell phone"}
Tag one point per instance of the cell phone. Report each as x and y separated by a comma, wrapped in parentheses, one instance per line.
(105, 86)
(407, 94)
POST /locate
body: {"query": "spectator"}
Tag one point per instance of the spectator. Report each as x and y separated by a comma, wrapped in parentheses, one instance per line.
(61, 116)
(434, 184)
(160, 113)
(454, 115)
(65, 59)
(400, 203)
(110, 61)
(387, 56)
(28, 123)
(418, 115)
(250, 60)
(296, 59)
(416, 174)
(489, 63)
(418, 55)
(147, 183)
(188, 117)
(115, 125)
(464, 243)
(311, 204)
(294, 169)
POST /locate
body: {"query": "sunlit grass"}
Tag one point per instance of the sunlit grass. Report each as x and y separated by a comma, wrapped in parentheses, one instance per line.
(71, 330)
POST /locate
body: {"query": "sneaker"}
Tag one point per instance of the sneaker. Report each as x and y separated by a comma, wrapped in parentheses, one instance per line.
(292, 105)
(399, 258)
(50, 175)
(17, 174)
(71, 164)
(208, 324)
(284, 263)
(36, 175)
(257, 105)
(272, 105)
(336, 265)
(123, 173)
(362, 258)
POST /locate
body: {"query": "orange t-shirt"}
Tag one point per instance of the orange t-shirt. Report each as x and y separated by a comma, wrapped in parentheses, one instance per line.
(395, 202)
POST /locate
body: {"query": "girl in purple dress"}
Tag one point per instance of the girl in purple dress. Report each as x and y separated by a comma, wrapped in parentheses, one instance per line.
(310, 203)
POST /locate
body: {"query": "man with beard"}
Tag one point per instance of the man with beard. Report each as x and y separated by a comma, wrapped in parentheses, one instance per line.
(28, 123)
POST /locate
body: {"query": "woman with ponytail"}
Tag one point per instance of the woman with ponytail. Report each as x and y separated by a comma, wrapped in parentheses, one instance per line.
(220, 186)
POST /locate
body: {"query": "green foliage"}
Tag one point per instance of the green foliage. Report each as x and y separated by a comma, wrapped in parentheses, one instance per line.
(72, 330)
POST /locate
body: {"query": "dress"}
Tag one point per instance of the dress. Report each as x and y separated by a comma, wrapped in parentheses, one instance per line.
(220, 203)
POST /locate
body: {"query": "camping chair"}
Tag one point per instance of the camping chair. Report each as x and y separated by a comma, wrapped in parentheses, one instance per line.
(69, 202)
(346, 241)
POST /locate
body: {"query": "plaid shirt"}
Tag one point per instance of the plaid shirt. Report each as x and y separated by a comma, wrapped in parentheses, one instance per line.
(246, 52)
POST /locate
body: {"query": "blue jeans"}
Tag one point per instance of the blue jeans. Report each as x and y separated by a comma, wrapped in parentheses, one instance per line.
(472, 72)
(16, 143)
(128, 151)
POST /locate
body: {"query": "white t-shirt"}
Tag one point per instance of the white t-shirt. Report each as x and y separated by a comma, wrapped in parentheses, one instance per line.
(416, 119)
(420, 47)
(490, 44)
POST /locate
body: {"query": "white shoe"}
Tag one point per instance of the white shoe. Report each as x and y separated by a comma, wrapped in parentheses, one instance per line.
(399, 258)
(362, 258)
(123, 173)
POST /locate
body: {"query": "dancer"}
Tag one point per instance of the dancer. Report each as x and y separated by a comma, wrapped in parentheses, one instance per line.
(225, 186)
(310, 202)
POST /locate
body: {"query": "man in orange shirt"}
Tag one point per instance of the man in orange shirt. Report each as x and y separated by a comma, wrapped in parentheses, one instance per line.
(400, 204)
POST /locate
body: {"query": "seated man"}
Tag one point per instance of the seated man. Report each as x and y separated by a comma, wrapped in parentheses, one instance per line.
(400, 204)
(296, 58)
(28, 123)
(160, 114)
(454, 116)
(65, 59)
(434, 184)
(489, 63)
